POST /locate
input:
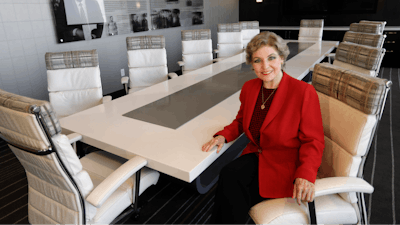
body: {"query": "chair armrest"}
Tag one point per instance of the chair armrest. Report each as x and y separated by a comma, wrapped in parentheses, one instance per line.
(330, 55)
(333, 185)
(74, 137)
(172, 75)
(104, 190)
(181, 63)
(107, 98)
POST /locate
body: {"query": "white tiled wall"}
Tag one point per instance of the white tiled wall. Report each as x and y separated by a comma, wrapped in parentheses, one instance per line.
(27, 32)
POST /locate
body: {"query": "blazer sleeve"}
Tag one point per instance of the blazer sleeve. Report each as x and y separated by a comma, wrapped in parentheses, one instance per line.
(311, 135)
(235, 129)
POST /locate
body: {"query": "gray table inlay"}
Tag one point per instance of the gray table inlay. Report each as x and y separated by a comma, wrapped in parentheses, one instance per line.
(180, 107)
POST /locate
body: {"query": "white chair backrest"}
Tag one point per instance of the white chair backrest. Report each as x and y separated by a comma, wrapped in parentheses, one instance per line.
(381, 24)
(229, 40)
(351, 104)
(196, 49)
(57, 183)
(74, 82)
(147, 61)
(360, 58)
(373, 40)
(371, 28)
(311, 30)
(249, 30)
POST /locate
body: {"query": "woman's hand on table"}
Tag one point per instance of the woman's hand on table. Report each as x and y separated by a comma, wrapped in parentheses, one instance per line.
(303, 190)
(217, 141)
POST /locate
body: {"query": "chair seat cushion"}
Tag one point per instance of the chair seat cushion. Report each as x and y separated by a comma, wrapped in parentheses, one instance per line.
(147, 76)
(196, 46)
(147, 57)
(227, 50)
(100, 165)
(354, 68)
(66, 103)
(195, 61)
(229, 37)
(287, 211)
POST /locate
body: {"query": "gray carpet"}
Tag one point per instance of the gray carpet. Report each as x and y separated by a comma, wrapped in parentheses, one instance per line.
(174, 202)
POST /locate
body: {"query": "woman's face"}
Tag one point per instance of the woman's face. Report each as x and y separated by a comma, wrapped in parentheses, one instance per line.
(267, 64)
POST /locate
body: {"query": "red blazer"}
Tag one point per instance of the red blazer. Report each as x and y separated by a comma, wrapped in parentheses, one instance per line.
(291, 139)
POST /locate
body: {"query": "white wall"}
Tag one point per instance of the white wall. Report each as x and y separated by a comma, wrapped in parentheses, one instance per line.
(27, 32)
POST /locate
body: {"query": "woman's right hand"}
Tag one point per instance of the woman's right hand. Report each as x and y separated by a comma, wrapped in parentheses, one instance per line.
(218, 140)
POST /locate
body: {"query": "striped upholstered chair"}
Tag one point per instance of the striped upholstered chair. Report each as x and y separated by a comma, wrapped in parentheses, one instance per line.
(147, 62)
(373, 40)
(311, 30)
(196, 49)
(364, 59)
(63, 189)
(381, 24)
(229, 40)
(249, 30)
(351, 106)
(371, 28)
(73, 81)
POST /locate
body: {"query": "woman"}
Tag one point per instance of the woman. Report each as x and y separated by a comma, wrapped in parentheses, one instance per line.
(281, 117)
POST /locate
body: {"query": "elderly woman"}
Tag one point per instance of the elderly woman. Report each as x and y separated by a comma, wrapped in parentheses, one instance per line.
(282, 119)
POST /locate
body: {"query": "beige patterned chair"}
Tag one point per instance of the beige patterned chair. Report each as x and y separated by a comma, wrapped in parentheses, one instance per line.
(196, 49)
(371, 28)
(63, 189)
(381, 24)
(351, 106)
(73, 81)
(311, 30)
(364, 59)
(249, 30)
(229, 40)
(373, 40)
(147, 62)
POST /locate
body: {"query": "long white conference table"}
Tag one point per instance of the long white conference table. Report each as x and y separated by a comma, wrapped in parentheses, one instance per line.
(168, 123)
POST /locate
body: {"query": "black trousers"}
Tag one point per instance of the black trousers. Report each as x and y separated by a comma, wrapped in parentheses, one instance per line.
(237, 191)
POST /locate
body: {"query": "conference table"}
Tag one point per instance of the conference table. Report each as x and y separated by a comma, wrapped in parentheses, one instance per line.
(167, 123)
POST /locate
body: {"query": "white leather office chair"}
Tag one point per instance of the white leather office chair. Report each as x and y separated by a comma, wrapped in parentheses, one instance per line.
(373, 40)
(372, 28)
(229, 40)
(73, 81)
(351, 108)
(63, 189)
(197, 49)
(311, 30)
(381, 23)
(147, 62)
(249, 30)
(361, 58)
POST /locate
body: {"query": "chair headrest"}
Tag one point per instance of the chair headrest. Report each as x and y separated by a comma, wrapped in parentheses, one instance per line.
(312, 23)
(373, 28)
(71, 59)
(373, 40)
(200, 34)
(247, 25)
(229, 27)
(361, 92)
(145, 42)
(359, 55)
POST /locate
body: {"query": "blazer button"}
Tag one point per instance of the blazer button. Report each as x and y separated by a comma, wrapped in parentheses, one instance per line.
(259, 150)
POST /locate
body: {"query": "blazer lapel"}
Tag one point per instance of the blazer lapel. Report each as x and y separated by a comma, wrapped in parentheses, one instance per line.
(251, 103)
(277, 102)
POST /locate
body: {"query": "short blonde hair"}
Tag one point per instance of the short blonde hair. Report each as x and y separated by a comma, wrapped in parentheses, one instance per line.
(267, 38)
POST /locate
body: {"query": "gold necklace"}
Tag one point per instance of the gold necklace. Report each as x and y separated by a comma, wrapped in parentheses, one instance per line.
(262, 95)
